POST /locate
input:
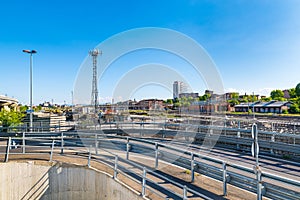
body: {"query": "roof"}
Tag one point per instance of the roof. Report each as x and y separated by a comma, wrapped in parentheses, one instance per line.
(278, 104)
(258, 104)
(242, 105)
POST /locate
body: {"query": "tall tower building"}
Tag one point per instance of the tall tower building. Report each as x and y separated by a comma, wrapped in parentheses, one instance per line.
(178, 88)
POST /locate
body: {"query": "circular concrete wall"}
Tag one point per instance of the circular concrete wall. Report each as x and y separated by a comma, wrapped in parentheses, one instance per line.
(30, 180)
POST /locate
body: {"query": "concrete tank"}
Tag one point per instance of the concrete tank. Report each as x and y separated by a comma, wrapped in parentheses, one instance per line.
(30, 180)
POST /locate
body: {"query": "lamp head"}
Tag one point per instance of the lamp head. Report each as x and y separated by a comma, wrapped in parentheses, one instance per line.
(28, 51)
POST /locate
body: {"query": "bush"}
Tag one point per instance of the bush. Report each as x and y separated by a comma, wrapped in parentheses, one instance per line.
(10, 118)
(294, 109)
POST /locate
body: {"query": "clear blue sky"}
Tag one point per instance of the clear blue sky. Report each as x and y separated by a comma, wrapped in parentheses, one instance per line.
(255, 44)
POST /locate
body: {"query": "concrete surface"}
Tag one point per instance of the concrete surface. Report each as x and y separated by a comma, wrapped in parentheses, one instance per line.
(42, 180)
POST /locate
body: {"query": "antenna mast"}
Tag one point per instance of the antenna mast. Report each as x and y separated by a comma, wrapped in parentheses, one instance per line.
(94, 100)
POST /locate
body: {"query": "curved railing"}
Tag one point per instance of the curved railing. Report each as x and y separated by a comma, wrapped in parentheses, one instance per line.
(92, 145)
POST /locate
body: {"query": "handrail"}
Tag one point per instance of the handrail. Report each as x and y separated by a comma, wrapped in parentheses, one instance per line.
(237, 178)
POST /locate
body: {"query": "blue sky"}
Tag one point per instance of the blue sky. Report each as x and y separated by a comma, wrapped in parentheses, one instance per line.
(254, 44)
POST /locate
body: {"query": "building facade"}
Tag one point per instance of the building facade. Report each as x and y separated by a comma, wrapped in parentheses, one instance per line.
(264, 107)
(178, 88)
(191, 94)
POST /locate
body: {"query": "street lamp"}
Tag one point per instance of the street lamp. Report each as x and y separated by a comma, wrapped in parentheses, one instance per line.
(30, 111)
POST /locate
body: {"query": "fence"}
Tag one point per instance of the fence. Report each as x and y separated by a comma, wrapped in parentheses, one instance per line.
(253, 180)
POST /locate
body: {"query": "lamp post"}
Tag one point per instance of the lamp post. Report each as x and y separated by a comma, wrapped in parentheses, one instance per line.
(30, 111)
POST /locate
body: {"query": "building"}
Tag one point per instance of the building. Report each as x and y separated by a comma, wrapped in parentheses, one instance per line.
(191, 94)
(250, 96)
(148, 104)
(263, 107)
(263, 97)
(231, 95)
(286, 94)
(47, 122)
(278, 107)
(178, 88)
(210, 106)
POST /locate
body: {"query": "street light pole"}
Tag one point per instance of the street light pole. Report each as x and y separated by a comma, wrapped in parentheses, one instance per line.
(30, 110)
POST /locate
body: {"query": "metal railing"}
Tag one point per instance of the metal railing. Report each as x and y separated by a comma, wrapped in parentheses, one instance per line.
(271, 143)
(50, 145)
(253, 180)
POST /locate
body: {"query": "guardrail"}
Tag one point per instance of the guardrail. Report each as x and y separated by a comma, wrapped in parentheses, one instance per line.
(271, 143)
(253, 180)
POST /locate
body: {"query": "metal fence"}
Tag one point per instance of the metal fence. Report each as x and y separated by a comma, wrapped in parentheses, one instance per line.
(93, 145)
(271, 143)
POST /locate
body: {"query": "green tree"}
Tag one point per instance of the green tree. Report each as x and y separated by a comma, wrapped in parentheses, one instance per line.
(38, 108)
(292, 92)
(266, 99)
(23, 108)
(294, 108)
(10, 118)
(184, 101)
(243, 100)
(169, 101)
(177, 104)
(297, 90)
(233, 102)
(205, 97)
(235, 95)
(285, 112)
(276, 94)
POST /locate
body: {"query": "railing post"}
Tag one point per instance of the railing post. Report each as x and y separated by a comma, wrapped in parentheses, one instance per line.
(192, 167)
(156, 155)
(40, 126)
(96, 143)
(294, 131)
(7, 149)
(90, 156)
(58, 125)
(144, 183)
(184, 192)
(23, 142)
(211, 132)
(127, 148)
(116, 167)
(272, 126)
(238, 134)
(259, 184)
(225, 127)
(272, 140)
(62, 143)
(52, 149)
(224, 168)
